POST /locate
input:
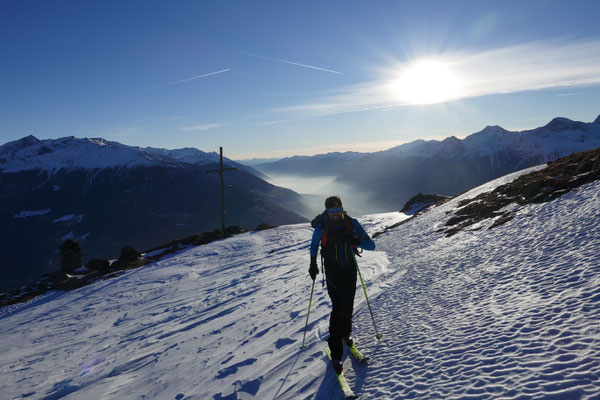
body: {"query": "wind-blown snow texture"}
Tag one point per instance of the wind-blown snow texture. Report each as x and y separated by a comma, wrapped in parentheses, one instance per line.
(506, 313)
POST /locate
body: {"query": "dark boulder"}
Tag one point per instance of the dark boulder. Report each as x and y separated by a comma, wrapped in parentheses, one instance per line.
(57, 276)
(70, 256)
(128, 253)
(420, 202)
(263, 227)
(129, 258)
(97, 265)
(233, 230)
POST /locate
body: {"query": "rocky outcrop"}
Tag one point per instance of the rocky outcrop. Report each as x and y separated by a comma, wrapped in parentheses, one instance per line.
(417, 205)
(558, 178)
(198, 239)
(129, 258)
(98, 265)
(263, 227)
(422, 202)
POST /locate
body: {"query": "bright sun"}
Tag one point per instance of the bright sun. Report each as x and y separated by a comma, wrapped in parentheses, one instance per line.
(427, 82)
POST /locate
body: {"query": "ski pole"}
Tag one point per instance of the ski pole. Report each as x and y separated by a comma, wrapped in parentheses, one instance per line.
(377, 334)
(322, 271)
(308, 314)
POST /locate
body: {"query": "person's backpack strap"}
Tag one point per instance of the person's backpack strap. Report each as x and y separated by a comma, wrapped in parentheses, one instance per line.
(350, 227)
(319, 220)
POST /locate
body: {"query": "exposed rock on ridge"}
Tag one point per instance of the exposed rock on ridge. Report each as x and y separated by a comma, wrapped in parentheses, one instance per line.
(558, 178)
(422, 202)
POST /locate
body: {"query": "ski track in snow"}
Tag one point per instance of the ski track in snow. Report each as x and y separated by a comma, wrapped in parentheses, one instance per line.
(507, 313)
(212, 322)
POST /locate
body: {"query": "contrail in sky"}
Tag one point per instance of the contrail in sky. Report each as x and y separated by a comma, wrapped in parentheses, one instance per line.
(188, 79)
(291, 62)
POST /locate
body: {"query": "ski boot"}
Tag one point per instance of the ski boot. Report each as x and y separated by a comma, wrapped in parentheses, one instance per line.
(349, 341)
(337, 365)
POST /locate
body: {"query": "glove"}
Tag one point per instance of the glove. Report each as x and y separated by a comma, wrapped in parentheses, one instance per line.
(352, 238)
(313, 271)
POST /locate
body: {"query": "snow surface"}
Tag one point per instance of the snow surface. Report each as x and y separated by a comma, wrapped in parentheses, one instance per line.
(506, 313)
(28, 213)
(72, 218)
(71, 236)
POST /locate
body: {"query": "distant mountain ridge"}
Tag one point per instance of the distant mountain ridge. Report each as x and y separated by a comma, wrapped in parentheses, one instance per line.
(446, 167)
(95, 153)
(485, 142)
(317, 165)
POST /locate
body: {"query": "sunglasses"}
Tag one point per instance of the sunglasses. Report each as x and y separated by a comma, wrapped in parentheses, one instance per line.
(332, 210)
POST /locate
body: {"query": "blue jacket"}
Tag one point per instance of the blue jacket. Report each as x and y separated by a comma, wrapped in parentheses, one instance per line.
(366, 243)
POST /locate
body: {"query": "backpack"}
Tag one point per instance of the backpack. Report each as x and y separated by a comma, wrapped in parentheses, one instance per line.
(321, 219)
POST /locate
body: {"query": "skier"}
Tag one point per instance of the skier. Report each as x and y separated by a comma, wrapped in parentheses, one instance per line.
(339, 235)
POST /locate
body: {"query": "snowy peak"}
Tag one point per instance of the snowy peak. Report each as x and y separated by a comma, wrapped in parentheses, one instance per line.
(493, 130)
(561, 124)
(451, 141)
(91, 153)
(405, 148)
(559, 137)
(425, 148)
(563, 136)
(27, 141)
(489, 134)
(67, 153)
(187, 155)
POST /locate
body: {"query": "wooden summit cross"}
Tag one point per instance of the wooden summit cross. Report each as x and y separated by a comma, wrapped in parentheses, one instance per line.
(220, 171)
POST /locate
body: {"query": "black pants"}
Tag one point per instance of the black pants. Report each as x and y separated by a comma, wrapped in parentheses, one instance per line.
(341, 287)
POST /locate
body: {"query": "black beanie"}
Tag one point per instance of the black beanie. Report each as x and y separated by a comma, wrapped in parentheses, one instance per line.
(333, 201)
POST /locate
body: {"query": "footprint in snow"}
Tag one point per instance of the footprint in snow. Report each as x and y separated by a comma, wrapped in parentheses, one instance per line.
(234, 368)
(283, 342)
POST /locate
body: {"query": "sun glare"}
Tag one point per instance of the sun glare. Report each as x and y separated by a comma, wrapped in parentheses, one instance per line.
(427, 82)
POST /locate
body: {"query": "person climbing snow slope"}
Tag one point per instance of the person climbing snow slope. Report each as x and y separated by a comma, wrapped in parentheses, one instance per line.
(340, 237)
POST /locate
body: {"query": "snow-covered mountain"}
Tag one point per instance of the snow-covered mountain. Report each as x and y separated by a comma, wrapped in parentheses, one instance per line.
(504, 313)
(53, 155)
(107, 195)
(559, 137)
(446, 167)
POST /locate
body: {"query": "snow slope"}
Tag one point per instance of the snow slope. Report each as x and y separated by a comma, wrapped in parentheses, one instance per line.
(507, 313)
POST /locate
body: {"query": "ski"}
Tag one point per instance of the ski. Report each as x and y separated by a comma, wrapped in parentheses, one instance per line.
(360, 357)
(348, 393)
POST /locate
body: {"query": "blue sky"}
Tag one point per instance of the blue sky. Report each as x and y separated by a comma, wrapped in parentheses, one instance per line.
(277, 78)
